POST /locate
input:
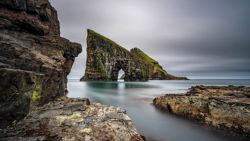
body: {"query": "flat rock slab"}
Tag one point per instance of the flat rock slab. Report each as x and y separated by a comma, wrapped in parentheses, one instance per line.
(69, 119)
(224, 107)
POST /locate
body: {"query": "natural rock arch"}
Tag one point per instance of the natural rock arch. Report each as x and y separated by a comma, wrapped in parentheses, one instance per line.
(105, 58)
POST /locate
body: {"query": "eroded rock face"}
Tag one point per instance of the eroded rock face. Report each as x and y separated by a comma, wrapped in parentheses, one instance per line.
(221, 107)
(34, 59)
(105, 58)
(73, 120)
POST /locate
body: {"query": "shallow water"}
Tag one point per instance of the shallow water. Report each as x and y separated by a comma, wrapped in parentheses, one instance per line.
(136, 98)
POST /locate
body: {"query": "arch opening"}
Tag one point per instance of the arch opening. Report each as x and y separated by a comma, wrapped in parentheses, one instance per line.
(121, 75)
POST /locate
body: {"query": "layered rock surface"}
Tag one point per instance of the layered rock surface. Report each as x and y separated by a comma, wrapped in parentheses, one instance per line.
(68, 119)
(221, 107)
(34, 59)
(105, 59)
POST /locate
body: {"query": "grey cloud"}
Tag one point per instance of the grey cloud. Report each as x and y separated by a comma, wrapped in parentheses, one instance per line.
(184, 36)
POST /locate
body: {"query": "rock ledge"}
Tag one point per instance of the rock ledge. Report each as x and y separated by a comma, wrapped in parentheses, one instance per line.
(222, 107)
(68, 119)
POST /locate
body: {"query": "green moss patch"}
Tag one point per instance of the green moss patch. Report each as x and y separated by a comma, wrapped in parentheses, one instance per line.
(139, 53)
(92, 32)
(36, 95)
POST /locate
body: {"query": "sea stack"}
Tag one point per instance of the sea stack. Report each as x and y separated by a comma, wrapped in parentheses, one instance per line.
(105, 59)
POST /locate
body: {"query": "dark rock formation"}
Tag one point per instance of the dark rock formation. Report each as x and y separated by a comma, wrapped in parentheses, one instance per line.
(73, 120)
(34, 59)
(34, 64)
(222, 107)
(156, 72)
(105, 58)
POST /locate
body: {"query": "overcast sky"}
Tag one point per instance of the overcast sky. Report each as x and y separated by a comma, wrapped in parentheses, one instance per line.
(194, 38)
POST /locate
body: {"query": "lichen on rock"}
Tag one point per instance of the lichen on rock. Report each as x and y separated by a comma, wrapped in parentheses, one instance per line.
(67, 119)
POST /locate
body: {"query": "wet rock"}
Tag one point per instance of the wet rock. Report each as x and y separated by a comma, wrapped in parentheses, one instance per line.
(85, 121)
(222, 107)
(34, 59)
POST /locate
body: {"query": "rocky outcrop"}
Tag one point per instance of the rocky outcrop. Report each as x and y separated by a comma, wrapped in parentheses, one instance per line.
(34, 59)
(34, 64)
(73, 120)
(156, 72)
(222, 107)
(105, 59)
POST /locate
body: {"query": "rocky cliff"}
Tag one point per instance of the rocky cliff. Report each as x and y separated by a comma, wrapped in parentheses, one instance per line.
(156, 71)
(105, 59)
(34, 64)
(223, 107)
(34, 59)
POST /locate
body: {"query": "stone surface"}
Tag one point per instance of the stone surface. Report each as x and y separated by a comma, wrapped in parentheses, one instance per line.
(105, 59)
(34, 59)
(222, 107)
(17, 88)
(73, 120)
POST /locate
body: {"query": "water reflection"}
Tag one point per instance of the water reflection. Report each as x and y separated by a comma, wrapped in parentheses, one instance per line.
(119, 85)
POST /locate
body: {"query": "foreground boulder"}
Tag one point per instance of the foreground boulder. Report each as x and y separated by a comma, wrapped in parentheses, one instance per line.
(34, 59)
(105, 59)
(68, 119)
(222, 107)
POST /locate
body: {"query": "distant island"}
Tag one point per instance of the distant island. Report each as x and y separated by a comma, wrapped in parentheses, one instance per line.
(105, 59)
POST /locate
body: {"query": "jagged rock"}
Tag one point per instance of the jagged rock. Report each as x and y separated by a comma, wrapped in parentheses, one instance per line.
(33, 56)
(156, 72)
(222, 107)
(105, 58)
(73, 120)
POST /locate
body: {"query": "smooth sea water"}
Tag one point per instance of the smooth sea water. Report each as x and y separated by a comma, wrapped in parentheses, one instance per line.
(136, 98)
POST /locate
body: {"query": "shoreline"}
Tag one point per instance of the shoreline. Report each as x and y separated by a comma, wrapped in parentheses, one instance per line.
(221, 107)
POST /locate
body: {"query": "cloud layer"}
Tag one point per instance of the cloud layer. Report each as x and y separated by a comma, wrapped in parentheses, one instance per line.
(186, 37)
